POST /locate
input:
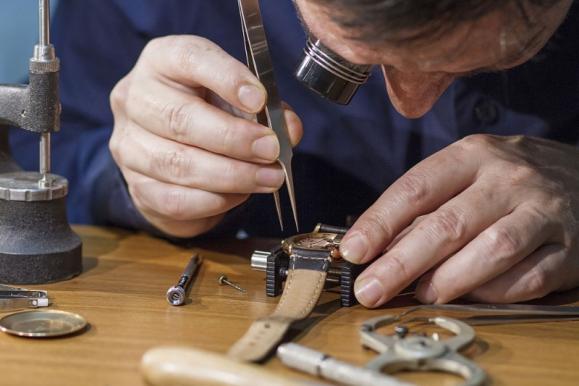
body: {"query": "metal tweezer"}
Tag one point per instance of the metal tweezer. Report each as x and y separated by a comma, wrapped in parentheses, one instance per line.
(500, 313)
(14, 298)
(259, 62)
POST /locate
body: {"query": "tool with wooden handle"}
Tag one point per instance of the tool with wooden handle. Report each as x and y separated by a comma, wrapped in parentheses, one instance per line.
(185, 366)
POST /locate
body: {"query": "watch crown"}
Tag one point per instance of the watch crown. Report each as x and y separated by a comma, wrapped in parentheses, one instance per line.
(259, 260)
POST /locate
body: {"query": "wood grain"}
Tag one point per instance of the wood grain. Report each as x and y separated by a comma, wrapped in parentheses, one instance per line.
(122, 294)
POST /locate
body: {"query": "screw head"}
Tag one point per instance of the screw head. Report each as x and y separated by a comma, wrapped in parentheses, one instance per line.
(222, 279)
(401, 331)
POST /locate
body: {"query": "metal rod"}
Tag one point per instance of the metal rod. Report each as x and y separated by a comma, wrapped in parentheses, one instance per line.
(325, 228)
(223, 280)
(45, 159)
(43, 22)
(43, 52)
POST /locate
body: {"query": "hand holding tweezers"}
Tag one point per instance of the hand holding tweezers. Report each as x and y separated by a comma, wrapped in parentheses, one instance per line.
(260, 63)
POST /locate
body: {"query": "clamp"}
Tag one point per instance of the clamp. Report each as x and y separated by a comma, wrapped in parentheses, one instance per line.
(421, 353)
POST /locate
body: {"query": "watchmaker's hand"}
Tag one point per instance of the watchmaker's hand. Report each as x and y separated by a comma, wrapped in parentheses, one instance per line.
(493, 218)
(185, 137)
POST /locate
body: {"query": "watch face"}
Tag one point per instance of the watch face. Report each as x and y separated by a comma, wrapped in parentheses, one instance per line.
(314, 242)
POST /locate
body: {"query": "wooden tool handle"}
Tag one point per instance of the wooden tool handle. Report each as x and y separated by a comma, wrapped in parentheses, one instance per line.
(184, 366)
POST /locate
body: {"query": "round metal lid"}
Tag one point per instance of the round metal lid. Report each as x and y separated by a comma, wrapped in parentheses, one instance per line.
(27, 186)
(42, 324)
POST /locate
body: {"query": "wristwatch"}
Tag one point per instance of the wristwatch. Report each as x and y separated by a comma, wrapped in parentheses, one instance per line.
(307, 263)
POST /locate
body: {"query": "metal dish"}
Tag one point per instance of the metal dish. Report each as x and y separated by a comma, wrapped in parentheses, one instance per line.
(42, 324)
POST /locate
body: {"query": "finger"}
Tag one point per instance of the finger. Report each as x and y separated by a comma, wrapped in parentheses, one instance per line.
(494, 251)
(541, 273)
(294, 124)
(421, 190)
(186, 118)
(179, 164)
(405, 232)
(437, 236)
(178, 203)
(194, 61)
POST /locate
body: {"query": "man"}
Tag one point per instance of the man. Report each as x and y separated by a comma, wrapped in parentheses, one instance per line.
(492, 216)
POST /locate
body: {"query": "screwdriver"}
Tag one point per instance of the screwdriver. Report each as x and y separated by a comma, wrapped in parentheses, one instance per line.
(177, 294)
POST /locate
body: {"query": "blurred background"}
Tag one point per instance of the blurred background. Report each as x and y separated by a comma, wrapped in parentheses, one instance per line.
(18, 34)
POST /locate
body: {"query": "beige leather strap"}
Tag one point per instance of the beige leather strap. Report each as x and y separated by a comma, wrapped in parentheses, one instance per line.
(302, 291)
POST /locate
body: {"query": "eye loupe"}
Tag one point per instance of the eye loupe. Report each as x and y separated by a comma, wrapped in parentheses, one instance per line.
(328, 74)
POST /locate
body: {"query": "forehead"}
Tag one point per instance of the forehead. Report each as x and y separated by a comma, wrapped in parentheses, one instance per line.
(457, 48)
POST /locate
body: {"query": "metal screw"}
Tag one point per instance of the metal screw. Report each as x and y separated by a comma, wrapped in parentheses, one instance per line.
(223, 280)
(401, 331)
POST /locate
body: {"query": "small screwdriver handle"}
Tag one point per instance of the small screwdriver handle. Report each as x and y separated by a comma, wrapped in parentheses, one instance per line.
(176, 295)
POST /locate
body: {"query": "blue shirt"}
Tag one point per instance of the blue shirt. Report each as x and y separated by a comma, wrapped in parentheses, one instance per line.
(348, 156)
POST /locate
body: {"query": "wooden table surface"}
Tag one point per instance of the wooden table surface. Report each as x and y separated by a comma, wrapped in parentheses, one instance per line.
(122, 294)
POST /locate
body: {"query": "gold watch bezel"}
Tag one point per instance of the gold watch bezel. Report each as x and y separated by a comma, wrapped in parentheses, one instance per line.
(289, 243)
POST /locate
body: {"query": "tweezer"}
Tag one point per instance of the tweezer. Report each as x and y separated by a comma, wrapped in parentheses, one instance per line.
(260, 63)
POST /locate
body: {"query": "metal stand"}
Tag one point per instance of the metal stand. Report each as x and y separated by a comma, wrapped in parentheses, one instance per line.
(36, 242)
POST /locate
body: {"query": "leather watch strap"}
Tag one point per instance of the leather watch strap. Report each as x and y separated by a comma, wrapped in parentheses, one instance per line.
(301, 294)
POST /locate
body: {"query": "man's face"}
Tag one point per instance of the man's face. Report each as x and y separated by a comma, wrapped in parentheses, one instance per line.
(417, 73)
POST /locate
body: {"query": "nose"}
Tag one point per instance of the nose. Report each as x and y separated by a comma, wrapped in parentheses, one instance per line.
(413, 93)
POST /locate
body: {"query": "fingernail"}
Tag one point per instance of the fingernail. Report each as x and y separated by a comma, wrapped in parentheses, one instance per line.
(426, 293)
(271, 178)
(251, 97)
(368, 291)
(266, 148)
(354, 248)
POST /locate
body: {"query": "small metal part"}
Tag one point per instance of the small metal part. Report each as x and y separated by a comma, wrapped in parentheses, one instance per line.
(335, 253)
(223, 280)
(401, 331)
(177, 295)
(325, 228)
(259, 260)
(42, 324)
(25, 186)
(44, 157)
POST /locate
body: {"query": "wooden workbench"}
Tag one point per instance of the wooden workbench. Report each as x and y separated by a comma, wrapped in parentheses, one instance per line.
(122, 294)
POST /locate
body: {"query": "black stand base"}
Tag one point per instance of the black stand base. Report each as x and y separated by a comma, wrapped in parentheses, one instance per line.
(36, 243)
